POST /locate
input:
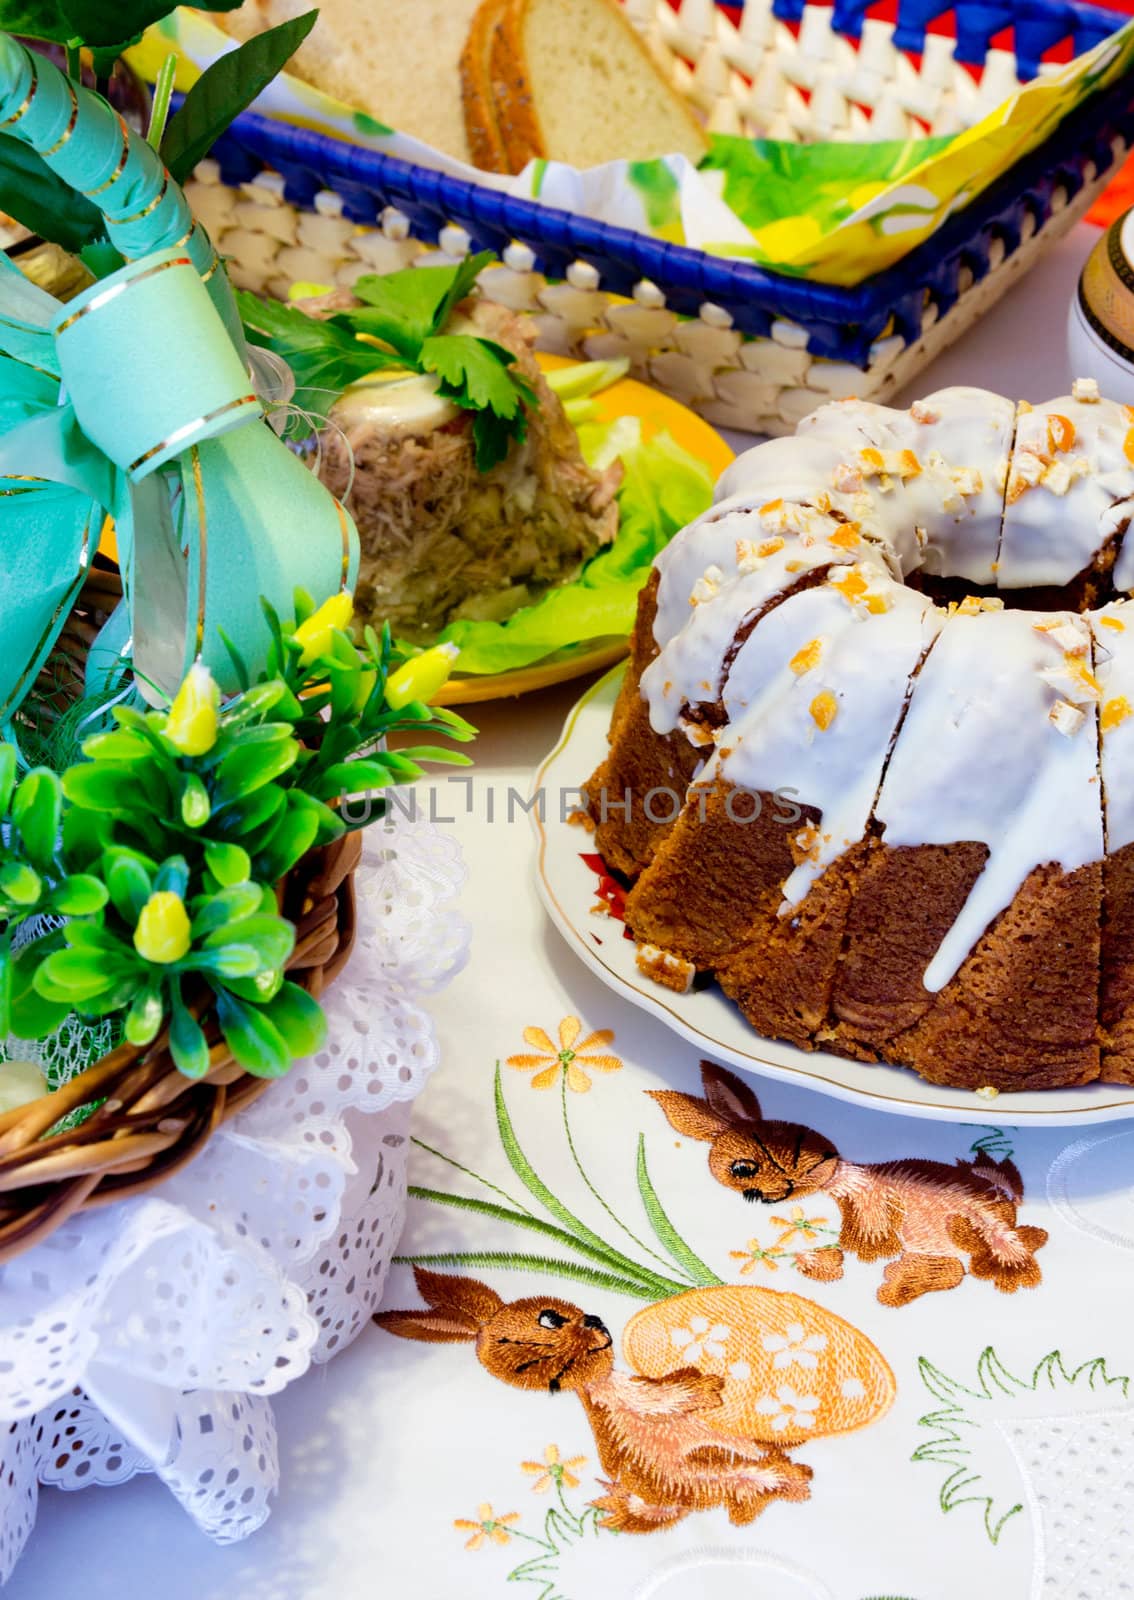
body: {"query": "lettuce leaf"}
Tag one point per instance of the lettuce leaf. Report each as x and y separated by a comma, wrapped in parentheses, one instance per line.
(664, 487)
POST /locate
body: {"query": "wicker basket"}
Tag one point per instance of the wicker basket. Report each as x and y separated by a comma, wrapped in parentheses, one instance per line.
(153, 1119)
(746, 348)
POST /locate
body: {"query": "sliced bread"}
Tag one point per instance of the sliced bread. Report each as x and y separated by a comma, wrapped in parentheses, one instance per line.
(482, 129)
(396, 60)
(574, 82)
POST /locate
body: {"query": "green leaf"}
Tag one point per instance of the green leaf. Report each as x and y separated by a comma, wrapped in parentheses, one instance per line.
(667, 1235)
(187, 1042)
(120, 744)
(652, 1283)
(32, 1016)
(272, 938)
(232, 961)
(229, 863)
(492, 438)
(128, 878)
(144, 1018)
(250, 767)
(20, 884)
(324, 356)
(259, 811)
(239, 665)
(299, 1018)
(9, 765)
(477, 369)
(353, 777)
(37, 808)
(196, 807)
(31, 192)
(78, 976)
(405, 308)
(259, 989)
(172, 877)
(80, 895)
(545, 1266)
(109, 786)
(288, 843)
(253, 1038)
(331, 825)
(229, 905)
(6, 963)
(535, 1185)
(223, 91)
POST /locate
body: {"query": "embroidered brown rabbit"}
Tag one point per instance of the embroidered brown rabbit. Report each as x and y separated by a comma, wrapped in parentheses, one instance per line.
(927, 1215)
(654, 1435)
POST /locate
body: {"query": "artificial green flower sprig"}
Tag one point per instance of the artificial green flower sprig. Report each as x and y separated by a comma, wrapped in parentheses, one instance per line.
(163, 848)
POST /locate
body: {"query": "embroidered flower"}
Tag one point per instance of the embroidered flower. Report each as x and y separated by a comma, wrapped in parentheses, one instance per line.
(551, 1470)
(571, 1057)
(488, 1526)
(798, 1226)
(756, 1255)
(701, 1340)
(794, 1347)
(788, 1409)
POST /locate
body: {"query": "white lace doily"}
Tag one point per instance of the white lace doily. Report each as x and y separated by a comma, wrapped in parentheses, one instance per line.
(150, 1335)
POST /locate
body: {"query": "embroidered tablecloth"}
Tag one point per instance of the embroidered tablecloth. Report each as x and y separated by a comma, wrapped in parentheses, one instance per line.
(902, 1368)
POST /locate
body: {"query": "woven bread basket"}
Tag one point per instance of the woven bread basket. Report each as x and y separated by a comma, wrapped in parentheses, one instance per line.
(746, 348)
(153, 1118)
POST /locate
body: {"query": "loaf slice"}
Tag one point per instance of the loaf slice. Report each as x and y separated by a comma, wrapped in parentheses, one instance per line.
(482, 129)
(397, 62)
(575, 83)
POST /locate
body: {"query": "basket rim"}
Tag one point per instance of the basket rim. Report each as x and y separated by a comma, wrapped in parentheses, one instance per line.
(1083, 136)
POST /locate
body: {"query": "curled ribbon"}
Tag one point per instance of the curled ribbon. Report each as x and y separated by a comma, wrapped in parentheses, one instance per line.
(134, 400)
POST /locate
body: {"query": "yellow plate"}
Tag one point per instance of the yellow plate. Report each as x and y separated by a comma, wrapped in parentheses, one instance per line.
(626, 398)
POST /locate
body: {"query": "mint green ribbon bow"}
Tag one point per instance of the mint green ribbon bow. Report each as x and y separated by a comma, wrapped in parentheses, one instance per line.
(134, 401)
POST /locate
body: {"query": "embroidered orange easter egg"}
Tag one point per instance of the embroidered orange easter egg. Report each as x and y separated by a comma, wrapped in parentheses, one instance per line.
(792, 1370)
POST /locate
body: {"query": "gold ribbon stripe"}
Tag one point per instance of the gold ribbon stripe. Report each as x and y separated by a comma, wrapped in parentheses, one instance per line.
(189, 428)
(116, 289)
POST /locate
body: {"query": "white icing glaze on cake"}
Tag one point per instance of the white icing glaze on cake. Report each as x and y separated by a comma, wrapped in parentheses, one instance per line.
(980, 759)
(1113, 628)
(1068, 491)
(687, 670)
(859, 679)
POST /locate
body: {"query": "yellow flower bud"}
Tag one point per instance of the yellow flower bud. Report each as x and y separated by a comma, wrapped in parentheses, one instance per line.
(315, 634)
(162, 934)
(20, 1082)
(421, 676)
(192, 722)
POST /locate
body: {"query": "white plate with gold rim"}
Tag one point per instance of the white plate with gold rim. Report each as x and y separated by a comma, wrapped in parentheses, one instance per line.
(570, 883)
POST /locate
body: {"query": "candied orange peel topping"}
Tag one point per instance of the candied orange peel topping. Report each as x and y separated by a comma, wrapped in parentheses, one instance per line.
(1114, 713)
(1060, 432)
(1113, 622)
(1079, 670)
(770, 546)
(847, 537)
(807, 658)
(852, 587)
(1128, 446)
(824, 709)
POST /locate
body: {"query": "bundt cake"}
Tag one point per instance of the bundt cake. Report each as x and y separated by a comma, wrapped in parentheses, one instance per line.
(872, 762)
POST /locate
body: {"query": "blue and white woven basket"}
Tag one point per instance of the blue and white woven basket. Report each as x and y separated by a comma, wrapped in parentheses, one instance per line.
(745, 347)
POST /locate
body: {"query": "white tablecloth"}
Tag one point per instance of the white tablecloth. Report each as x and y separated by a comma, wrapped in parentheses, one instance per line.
(390, 1455)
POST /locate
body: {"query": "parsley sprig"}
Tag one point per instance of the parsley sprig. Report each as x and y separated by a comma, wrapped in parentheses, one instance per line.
(401, 326)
